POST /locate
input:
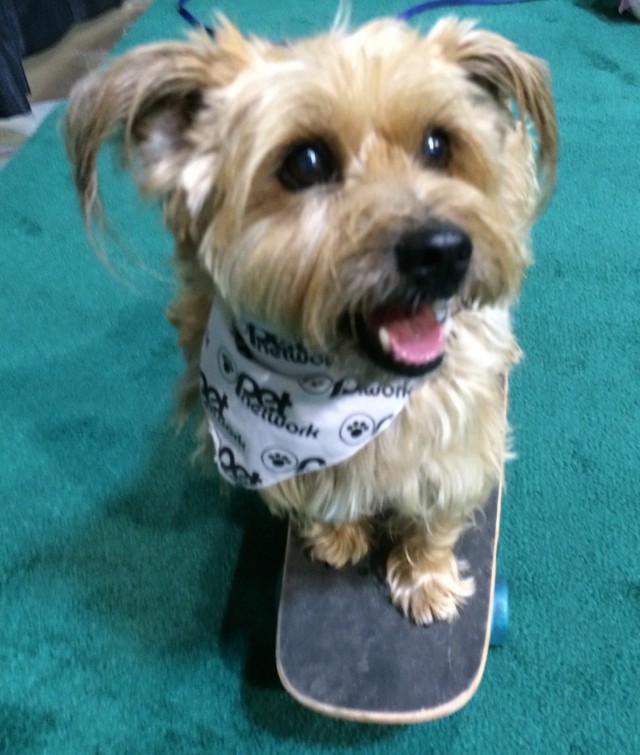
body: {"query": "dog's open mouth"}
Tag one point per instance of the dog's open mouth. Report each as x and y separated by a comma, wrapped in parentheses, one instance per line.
(407, 342)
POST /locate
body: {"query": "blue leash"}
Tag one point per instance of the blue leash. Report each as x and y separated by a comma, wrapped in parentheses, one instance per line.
(188, 16)
(406, 15)
(433, 4)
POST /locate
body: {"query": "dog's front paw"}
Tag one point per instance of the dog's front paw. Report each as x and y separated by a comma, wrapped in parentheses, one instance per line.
(427, 589)
(337, 544)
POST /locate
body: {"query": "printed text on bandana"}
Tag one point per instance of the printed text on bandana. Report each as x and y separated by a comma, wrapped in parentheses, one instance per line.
(276, 409)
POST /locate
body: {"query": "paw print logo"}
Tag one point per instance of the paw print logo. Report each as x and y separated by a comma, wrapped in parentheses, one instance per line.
(316, 385)
(356, 429)
(279, 460)
(226, 365)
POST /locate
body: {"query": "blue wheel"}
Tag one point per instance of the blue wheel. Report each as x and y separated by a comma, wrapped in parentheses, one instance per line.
(500, 616)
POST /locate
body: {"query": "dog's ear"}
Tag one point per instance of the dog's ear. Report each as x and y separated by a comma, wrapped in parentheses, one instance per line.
(149, 98)
(509, 74)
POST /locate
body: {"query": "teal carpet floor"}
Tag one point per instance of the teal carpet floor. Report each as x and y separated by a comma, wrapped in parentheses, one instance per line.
(137, 599)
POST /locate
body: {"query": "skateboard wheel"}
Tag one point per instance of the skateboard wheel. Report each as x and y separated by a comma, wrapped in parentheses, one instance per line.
(500, 616)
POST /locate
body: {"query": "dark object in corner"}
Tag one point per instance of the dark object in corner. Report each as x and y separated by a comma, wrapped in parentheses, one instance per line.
(28, 27)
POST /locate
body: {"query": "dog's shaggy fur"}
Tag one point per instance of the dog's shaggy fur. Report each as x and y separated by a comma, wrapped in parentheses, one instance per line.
(291, 175)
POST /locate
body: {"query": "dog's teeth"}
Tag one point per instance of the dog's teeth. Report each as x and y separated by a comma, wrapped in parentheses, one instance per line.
(385, 341)
(441, 310)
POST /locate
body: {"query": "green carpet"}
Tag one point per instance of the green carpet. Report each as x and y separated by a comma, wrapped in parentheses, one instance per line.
(137, 600)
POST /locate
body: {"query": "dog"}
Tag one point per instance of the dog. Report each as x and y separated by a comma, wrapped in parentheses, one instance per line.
(352, 216)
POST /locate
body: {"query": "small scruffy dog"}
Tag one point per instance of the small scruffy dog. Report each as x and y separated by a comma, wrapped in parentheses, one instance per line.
(351, 215)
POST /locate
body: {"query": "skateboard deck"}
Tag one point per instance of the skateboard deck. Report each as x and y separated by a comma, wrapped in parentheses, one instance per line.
(344, 650)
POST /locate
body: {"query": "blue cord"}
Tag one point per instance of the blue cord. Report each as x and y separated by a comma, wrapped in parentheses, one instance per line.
(406, 15)
(433, 4)
(188, 16)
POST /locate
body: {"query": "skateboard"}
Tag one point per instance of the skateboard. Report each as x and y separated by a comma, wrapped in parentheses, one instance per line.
(344, 650)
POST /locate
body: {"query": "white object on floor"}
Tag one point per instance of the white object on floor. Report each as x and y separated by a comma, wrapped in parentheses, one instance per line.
(15, 131)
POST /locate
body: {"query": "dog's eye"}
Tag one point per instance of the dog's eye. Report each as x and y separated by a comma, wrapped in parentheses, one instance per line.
(436, 148)
(307, 165)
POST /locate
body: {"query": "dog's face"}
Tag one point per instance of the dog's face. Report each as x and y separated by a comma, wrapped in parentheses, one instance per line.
(354, 191)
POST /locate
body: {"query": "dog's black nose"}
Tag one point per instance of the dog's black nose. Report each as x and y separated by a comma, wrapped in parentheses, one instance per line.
(435, 258)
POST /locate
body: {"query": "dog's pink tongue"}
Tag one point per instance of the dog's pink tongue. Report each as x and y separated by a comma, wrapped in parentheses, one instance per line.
(413, 339)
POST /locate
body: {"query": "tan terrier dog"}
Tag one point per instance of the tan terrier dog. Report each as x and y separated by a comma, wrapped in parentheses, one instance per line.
(351, 215)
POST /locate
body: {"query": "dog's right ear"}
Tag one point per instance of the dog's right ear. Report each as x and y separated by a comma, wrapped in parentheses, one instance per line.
(509, 74)
(149, 97)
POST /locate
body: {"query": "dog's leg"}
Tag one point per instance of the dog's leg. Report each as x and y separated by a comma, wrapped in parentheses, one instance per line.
(337, 544)
(424, 577)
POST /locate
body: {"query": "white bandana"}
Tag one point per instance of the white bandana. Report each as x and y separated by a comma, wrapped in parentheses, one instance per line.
(276, 410)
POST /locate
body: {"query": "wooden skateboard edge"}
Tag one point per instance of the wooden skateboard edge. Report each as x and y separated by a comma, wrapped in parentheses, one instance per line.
(398, 717)
(377, 717)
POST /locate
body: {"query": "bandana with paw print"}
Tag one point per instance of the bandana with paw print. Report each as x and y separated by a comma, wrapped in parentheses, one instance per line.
(276, 410)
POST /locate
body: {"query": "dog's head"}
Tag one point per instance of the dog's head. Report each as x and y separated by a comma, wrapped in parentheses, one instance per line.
(352, 190)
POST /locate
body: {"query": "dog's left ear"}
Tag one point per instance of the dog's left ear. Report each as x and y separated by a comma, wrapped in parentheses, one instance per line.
(148, 100)
(512, 75)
